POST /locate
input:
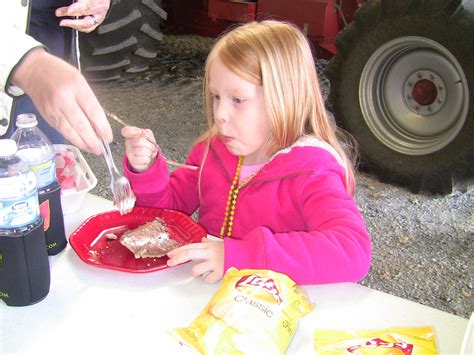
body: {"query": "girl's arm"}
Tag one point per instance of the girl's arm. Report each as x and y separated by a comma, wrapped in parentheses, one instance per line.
(156, 187)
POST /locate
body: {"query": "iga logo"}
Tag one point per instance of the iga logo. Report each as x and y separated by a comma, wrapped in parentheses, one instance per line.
(267, 285)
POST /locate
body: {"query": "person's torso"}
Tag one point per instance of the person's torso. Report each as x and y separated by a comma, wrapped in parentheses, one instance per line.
(37, 18)
(272, 198)
(44, 27)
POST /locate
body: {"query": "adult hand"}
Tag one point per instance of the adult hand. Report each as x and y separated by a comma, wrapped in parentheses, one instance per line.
(91, 12)
(63, 97)
(140, 148)
(211, 253)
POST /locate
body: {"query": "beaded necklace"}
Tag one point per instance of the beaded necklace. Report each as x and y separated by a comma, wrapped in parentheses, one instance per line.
(232, 200)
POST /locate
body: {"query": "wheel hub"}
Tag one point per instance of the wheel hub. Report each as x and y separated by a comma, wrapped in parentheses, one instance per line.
(424, 92)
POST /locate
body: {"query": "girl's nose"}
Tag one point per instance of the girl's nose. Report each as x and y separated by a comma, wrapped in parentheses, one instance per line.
(221, 114)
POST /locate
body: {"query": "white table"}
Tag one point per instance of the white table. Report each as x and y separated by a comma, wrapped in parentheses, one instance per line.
(98, 311)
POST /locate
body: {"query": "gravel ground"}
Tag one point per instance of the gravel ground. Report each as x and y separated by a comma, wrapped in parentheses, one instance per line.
(422, 244)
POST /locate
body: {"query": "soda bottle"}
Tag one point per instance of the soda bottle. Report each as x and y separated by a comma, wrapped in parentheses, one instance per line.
(35, 148)
(24, 265)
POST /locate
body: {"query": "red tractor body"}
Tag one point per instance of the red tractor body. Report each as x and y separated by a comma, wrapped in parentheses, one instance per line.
(321, 20)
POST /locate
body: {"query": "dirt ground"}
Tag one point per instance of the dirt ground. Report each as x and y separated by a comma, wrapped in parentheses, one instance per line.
(422, 244)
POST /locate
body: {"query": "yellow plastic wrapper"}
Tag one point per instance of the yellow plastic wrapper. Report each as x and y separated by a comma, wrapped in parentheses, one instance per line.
(393, 341)
(253, 311)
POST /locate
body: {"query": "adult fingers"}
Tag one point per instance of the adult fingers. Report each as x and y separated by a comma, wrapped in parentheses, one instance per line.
(79, 8)
(98, 8)
(64, 114)
(86, 116)
(86, 24)
(96, 118)
(63, 125)
(80, 123)
(89, 14)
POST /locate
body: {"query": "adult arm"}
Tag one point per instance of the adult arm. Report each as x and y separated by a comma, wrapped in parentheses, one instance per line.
(63, 97)
(14, 44)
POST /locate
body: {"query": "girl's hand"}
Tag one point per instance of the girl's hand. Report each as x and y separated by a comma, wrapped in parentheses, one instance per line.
(140, 150)
(210, 252)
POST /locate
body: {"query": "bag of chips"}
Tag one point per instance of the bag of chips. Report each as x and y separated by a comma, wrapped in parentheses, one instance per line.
(253, 311)
(393, 341)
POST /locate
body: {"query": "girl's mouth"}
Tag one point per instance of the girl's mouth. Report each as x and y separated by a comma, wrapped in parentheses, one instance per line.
(226, 139)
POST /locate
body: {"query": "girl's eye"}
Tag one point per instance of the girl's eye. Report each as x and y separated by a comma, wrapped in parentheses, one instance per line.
(215, 97)
(238, 100)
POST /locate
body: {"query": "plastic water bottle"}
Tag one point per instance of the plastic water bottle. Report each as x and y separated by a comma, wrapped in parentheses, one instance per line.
(19, 207)
(35, 148)
(24, 266)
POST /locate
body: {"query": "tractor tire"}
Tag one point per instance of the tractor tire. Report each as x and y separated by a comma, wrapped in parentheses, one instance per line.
(125, 43)
(402, 83)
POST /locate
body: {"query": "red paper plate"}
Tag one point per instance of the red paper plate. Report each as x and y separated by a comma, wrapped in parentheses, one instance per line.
(94, 248)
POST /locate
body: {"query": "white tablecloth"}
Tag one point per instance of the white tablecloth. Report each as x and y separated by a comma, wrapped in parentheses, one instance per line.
(98, 311)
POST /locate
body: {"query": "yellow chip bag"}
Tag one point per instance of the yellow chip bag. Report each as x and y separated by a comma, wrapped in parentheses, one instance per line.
(393, 341)
(253, 311)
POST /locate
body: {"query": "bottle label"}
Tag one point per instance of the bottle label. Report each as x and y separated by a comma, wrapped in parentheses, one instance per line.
(45, 172)
(19, 212)
(43, 164)
(45, 211)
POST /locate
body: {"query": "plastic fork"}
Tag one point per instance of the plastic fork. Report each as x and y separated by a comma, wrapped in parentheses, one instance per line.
(169, 161)
(124, 198)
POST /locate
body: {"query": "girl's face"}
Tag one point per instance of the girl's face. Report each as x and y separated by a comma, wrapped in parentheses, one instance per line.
(239, 113)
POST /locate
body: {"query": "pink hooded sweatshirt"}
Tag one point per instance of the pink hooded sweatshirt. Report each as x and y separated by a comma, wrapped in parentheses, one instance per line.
(295, 216)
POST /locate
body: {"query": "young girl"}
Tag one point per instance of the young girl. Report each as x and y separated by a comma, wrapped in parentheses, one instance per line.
(272, 180)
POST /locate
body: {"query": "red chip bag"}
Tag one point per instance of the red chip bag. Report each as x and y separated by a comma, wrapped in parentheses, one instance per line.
(391, 341)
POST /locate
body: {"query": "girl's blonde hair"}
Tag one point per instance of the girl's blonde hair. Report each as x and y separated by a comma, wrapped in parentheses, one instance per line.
(277, 56)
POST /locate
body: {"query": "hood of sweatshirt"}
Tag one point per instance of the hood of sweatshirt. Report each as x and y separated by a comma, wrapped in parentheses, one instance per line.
(307, 155)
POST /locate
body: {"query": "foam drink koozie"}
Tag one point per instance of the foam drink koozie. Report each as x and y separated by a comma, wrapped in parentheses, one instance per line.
(24, 264)
(24, 267)
(52, 213)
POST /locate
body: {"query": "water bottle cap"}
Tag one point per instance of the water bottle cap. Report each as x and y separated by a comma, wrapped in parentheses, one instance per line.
(26, 120)
(7, 147)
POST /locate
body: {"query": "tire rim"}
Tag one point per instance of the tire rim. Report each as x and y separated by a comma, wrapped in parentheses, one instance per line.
(414, 95)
